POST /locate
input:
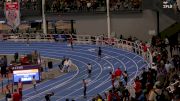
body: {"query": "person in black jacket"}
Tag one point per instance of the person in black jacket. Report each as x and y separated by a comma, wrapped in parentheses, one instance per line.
(48, 95)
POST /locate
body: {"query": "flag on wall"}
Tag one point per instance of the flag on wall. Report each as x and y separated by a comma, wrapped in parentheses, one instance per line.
(12, 12)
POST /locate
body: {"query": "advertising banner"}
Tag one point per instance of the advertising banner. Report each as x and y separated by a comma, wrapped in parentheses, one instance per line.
(12, 11)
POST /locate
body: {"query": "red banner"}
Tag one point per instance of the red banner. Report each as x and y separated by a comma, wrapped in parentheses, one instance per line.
(12, 11)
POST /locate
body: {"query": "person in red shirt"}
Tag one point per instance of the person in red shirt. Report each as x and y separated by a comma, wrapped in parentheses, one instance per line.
(112, 78)
(16, 96)
(109, 96)
(115, 94)
(118, 73)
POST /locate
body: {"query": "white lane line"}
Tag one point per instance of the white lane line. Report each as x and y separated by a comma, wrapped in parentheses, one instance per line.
(58, 85)
(127, 62)
(118, 59)
(80, 81)
(116, 63)
(56, 81)
(66, 50)
(82, 87)
(63, 82)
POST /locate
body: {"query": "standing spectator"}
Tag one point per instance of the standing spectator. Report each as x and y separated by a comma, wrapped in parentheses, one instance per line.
(137, 87)
(112, 78)
(8, 94)
(109, 96)
(144, 77)
(16, 96)
(118, 73)
(89, 69)
(85, 87)
(156, 94)
(168, 66)
(88, 5)
(125, 95)
(125, 75)
(20, 87)
(34, 83)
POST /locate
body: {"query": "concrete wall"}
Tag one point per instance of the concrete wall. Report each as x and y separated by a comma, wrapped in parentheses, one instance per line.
(127, 24)
(130, 24)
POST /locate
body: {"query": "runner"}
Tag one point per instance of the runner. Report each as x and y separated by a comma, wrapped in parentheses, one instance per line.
(34, 83)
(71, 41)
(99, 52)
(20, 87)
(89, 68)
(85, 87)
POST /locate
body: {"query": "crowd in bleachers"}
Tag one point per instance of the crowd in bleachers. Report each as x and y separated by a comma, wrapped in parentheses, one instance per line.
(161, 82)
(78, 5)
(91, 5)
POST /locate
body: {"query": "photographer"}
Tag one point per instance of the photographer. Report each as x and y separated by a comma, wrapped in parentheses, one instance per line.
(48, 95)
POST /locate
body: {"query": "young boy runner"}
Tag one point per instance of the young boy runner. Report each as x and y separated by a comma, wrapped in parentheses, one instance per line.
(20, 87)
(99, 52)
(85, 87)
(89, 68)
(34, 83)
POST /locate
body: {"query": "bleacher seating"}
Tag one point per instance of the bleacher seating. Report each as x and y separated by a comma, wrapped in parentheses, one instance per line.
(70, 6)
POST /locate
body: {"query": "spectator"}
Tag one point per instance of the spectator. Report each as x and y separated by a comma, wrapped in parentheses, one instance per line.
(156, 94)
(112, 78)
(16, 96)
(118, 73)
(126, 95)
(109, 96)
(8, 94)
(137, 87)
(48, 96)
(125, 75)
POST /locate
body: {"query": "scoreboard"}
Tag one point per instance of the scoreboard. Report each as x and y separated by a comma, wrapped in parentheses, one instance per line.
(26, 73)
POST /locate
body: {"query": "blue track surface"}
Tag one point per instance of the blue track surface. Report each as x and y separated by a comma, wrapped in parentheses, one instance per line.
(70, 85)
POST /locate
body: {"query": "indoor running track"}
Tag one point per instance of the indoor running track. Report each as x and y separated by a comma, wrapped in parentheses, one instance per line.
(70, 85)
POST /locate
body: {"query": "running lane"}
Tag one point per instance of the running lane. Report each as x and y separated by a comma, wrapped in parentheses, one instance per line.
(83, 54)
